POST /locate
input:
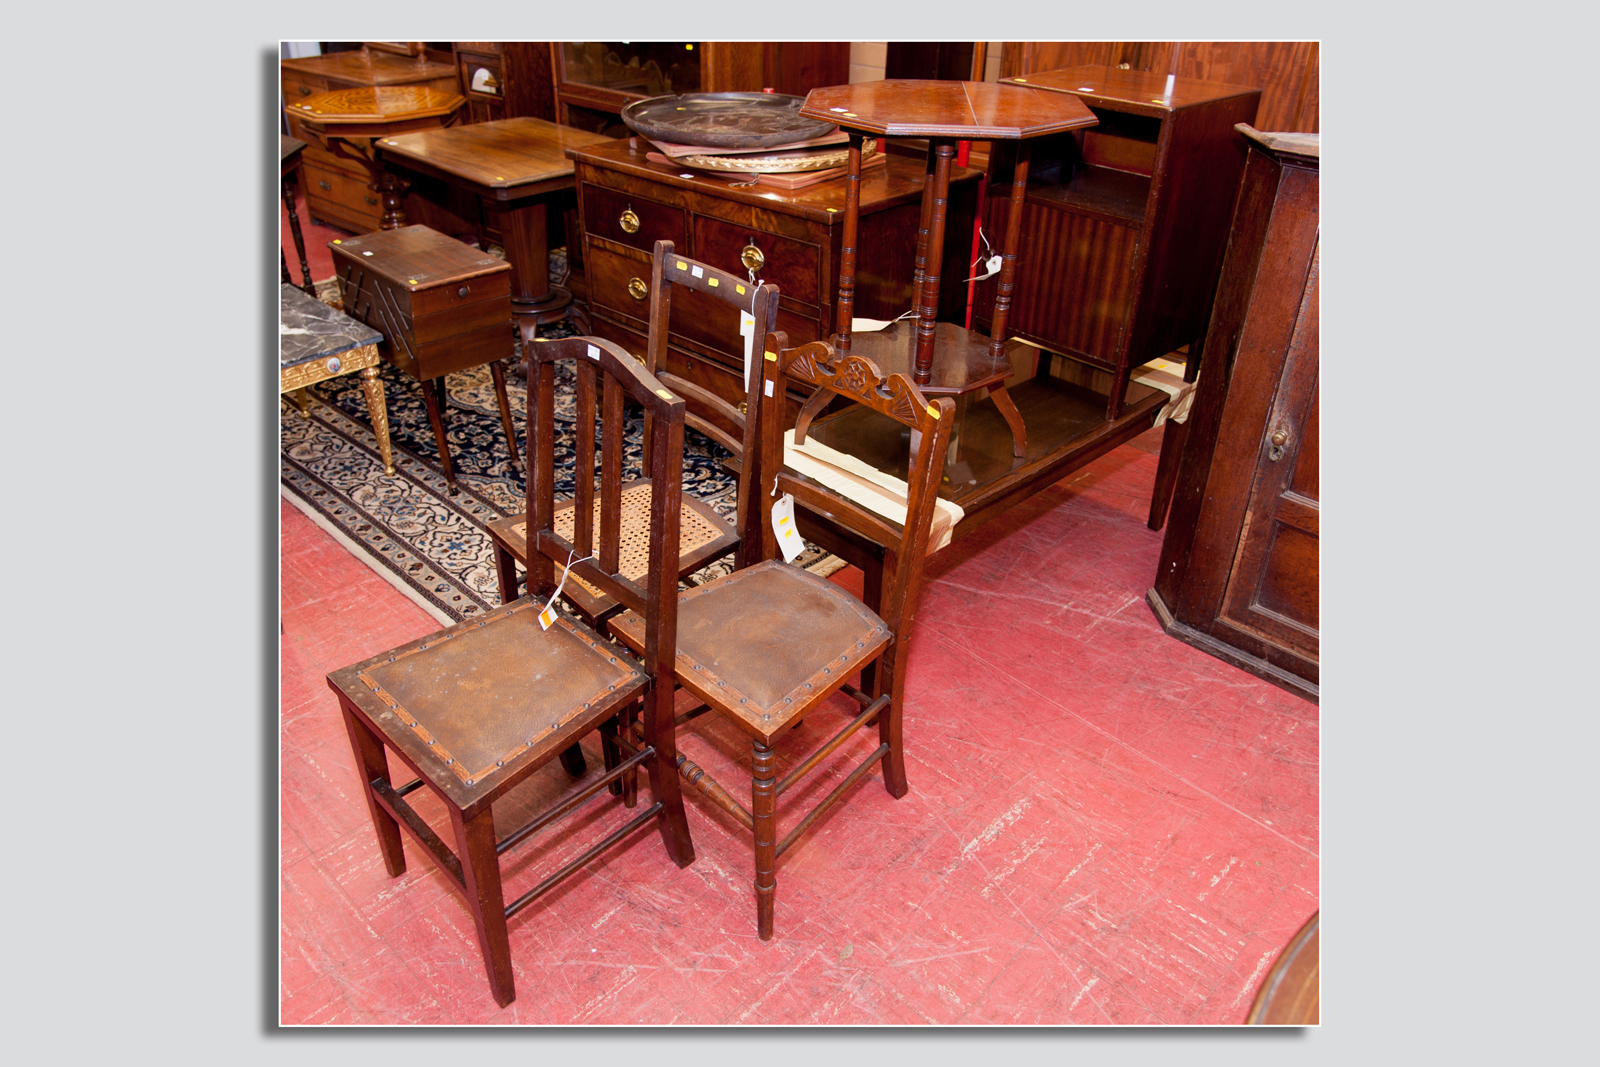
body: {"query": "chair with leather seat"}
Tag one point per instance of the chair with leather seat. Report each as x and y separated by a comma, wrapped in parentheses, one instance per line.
(716, 299)
(768, 644)
(477, 708)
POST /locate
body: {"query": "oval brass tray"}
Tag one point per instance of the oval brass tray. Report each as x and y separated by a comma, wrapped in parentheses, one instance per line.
(795, 162)
(723, 120)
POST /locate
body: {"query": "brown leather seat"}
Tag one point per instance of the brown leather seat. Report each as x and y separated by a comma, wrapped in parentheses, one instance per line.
(768, 644)
(475, 709)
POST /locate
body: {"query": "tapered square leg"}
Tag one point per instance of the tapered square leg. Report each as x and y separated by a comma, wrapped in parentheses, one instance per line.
(480, 869)
(371, 763)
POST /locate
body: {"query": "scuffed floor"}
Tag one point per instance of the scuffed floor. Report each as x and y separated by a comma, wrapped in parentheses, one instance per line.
(1104, 825)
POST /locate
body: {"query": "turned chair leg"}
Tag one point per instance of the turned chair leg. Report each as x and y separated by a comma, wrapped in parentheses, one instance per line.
(763, 810)
(480, 870)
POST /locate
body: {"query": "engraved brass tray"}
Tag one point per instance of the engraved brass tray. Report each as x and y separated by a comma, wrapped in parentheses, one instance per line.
(793, 162)
(724, 120)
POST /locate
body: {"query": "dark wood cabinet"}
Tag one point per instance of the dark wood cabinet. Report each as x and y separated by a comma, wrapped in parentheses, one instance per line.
(506, 80)
(1239, 563)
(594, 81)
(628, 203)
(1125, 222)
(1286, 72)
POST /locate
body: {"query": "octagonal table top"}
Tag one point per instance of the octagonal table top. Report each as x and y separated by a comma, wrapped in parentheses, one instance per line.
(376, 105)
(971, 110)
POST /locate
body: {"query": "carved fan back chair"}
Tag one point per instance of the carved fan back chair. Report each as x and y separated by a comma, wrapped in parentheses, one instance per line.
(770, 643)
(706, 536)
(473, 710)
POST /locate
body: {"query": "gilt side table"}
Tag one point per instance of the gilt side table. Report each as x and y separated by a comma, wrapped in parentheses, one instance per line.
(317, 342)
(942, 358)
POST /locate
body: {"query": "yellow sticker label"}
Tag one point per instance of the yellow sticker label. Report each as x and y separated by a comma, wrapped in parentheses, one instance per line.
(739, 287)
(546, 617)
(773, 356)
(933, 411)
(713, 281)
(663, 394)
(682, 265)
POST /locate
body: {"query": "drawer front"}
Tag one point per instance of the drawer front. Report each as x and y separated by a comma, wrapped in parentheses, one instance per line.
(298, 85)
(348, 195)
(434, 359)
(490, 290)
(791, 265)
(696, 316)
(603, 216)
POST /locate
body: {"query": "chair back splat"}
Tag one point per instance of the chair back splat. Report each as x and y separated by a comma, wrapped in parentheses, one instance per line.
(476, 709)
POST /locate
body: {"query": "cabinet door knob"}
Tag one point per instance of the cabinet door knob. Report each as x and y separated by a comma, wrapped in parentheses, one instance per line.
(629, 221)
(464, 290)
(752, 258)
(638, 289)
(1278, 440)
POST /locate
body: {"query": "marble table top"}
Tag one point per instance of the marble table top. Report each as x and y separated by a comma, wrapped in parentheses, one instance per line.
(308, 329)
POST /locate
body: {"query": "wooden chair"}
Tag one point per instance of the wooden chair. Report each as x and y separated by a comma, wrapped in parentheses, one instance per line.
(475, 709)
(706, 535)
(767, 644)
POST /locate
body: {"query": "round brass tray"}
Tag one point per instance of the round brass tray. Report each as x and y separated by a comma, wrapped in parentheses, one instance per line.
(795, 162)
(723, 120)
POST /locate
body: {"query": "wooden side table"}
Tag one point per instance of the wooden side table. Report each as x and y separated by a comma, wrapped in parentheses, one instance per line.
(289, 171)
(942, 358)
(512, 167)
(346, 121)
(442, 307)
(317, 342)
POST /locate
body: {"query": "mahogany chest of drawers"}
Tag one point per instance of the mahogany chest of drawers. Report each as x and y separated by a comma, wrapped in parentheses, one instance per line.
(792, 237)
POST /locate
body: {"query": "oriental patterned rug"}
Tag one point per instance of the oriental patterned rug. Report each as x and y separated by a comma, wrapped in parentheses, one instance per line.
(431, 545)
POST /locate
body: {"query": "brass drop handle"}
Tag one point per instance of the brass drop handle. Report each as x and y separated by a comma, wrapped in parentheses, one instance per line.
(638, 289)
(629, 221)
(305, 90)
(752, 258)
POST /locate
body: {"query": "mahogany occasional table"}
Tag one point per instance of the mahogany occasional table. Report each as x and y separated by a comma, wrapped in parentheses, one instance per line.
(346, 121)
(942, 358)
(512, 166)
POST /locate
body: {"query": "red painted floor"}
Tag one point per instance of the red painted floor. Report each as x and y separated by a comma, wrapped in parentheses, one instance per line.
(1104, 825)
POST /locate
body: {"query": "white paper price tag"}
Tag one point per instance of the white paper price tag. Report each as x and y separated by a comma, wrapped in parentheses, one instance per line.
(747, 330)
(789, 541)
(548, 615)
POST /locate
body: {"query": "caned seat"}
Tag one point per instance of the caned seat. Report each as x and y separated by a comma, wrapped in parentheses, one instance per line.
(705, 536)
(475, 709)
(768, 644)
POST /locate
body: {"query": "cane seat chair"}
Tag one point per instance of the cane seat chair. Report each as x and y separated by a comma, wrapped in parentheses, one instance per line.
(475, 709)
(714, 296)
(766, 645)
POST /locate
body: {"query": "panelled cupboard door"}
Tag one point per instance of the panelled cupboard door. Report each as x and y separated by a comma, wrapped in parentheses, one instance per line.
(1273, 589)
